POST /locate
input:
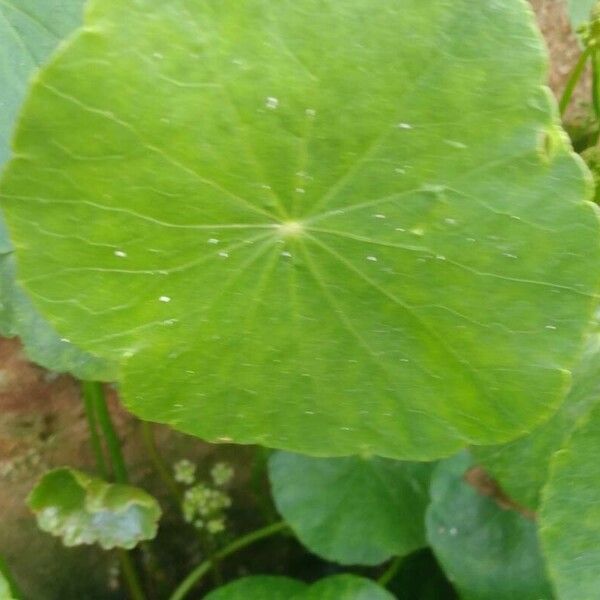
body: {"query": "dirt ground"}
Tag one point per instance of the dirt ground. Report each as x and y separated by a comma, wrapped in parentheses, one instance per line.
(42, 426)
(564, 50)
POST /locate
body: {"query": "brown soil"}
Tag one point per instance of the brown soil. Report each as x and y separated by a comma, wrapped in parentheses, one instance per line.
(43, 425)
(564, 51)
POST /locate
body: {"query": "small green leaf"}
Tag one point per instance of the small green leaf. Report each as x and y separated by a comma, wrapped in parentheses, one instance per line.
(7, 586)
(326, 226)
(85, 510)
(345, 587)
(521, 466)
(263, 587)
(570, 513)
(338, 587)
(5, 591)
(383, 505)
(489, 552)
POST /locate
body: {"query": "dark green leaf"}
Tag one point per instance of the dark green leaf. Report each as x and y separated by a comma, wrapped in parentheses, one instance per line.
(570, 513)
(85, 510)
(324, 226)
(29, 31)
(259, 588)
(338, 587)
(420, 578)
(352, 510)
(345, 587)
(489, 551)
(42, 343)
(521, 466)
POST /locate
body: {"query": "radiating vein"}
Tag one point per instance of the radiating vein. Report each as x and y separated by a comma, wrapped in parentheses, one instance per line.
(366, 204)
(463, 365)
(109, 115)
(377, 142)
(31, 17)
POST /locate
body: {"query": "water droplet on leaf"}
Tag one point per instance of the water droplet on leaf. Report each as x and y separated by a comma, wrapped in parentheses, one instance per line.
(272, 103)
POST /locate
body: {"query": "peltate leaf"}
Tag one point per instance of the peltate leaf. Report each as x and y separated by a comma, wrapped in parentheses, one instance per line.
(85, 510)
(338, 587)
(570, 513)
(489, 551)
(383, 504)
(521, 466)
(323, 226)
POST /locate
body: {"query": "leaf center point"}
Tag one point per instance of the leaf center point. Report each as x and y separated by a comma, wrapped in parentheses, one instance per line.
(291, 228)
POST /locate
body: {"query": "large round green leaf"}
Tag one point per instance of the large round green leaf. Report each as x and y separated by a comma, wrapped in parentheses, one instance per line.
(324, 226)
(352, 510)
(338, 587)
(489, 552)
(521, 466)
(85, 510)
(570, 514)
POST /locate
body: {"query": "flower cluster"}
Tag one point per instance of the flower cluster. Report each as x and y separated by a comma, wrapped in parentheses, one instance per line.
(204, 503)
(221, 474)
(184, 471)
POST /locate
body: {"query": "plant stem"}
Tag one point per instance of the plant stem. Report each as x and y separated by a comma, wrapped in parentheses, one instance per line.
(95, 391)
(95, 442)
(595, 95)
(130, 575)
(159, 464)
(196, 575)
(98, 415)
(574, 79)
(391, 571)
(211, 556)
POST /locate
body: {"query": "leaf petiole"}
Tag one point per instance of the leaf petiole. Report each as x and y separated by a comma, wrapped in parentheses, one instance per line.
(98, 416)
(574, 79)
(391, 571)
(198, 573)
